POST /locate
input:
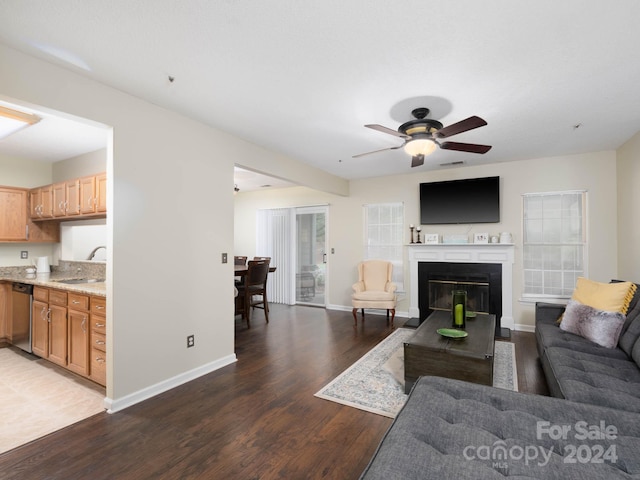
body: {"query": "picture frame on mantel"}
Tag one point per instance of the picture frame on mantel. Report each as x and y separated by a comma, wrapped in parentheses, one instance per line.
(431, 238)
(481, 238)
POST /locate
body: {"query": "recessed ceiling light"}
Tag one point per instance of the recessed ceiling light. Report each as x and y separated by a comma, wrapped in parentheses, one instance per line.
(265, 186)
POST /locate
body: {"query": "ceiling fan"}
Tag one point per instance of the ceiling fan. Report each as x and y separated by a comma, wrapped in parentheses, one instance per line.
(421, 136)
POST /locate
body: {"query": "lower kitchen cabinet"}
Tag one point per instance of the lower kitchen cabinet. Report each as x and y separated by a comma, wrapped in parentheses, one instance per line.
(69, 329)
(78, 335)
(98, 351)
(40, 325)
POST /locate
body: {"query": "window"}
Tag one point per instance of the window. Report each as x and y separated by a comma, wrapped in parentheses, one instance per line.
(554, 242)
(383, 236)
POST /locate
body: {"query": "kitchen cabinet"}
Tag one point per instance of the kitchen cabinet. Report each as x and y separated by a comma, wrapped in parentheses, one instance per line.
(15, 225)
(66, 198)
(72, 199)
(5, 311)
(41, 202)
(69, 329)
(40, 322)
(98, 351)
(78, 335)
(101, 193)
(13, 214)
(49, 325)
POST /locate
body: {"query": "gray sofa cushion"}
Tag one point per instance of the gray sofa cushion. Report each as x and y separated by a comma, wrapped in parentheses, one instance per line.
(548, 334)
(447, 428)
(588, 378)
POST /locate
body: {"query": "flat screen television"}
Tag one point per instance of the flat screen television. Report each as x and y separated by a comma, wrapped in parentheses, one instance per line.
(472, 200)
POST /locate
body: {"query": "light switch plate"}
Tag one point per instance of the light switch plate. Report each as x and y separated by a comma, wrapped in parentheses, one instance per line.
(224, 258)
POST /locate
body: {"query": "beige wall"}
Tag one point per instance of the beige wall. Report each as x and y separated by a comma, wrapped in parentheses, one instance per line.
(595, 172)
(629, 210)
(170, 196)
(81, 166)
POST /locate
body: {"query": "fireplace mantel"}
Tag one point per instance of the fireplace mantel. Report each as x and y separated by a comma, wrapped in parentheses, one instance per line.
(499, 253)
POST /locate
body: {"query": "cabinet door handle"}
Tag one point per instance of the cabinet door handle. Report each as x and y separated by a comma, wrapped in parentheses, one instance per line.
(75, 302)
(100, 325)
(83, 325)
(99, 307)
(100, 360)
(100, 342)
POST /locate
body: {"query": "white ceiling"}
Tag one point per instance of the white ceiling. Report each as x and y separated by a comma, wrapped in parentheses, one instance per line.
(302, 77)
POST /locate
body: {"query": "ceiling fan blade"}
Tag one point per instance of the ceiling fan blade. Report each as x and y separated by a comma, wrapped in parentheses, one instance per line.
(417, 160)
(382, 129)
(462, 126)
(377, 151)
(465, 147)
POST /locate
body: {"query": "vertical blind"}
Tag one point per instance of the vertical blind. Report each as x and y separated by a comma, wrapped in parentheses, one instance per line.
(383, 236)
(275, 239)
(554, 242)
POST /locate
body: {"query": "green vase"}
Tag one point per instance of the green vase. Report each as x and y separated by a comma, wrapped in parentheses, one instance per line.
(459, 309)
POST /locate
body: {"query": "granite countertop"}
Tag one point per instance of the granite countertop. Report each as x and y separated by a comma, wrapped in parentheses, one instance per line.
(52, 280)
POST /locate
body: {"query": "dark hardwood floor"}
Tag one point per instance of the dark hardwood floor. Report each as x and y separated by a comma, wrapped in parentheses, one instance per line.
(255, 419)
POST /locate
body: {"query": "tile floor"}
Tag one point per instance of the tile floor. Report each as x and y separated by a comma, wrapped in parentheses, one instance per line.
(38, 397)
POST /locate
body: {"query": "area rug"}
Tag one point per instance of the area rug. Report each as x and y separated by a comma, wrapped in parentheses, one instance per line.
(38, 398)
(375, 383)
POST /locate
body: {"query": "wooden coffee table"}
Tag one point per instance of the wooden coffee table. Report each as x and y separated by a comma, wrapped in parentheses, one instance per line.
(469, 358)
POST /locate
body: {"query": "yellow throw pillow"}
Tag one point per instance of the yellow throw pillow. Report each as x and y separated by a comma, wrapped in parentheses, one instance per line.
(610, 297)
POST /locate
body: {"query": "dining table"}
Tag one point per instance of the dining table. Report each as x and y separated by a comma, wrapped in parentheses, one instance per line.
(241, 270)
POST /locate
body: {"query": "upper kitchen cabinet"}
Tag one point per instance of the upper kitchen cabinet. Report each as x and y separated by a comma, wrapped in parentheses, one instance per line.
(66, 198)
(41, 202)
(75, 198)
(15, 225)
(93, 194)
(13, 208)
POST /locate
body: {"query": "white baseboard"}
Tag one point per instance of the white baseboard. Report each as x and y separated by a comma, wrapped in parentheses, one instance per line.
(521, 327)
(118, 404)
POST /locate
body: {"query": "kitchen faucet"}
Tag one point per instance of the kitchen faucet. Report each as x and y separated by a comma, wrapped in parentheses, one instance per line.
(93, 252)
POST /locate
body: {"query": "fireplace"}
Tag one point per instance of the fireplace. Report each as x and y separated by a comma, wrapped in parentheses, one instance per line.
(483, 269)
(481, 281)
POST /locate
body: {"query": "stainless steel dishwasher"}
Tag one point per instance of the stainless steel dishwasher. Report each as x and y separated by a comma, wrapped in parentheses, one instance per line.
(21, 301)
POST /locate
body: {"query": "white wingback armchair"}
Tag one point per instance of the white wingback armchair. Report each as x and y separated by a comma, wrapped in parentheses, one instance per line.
(374, 288)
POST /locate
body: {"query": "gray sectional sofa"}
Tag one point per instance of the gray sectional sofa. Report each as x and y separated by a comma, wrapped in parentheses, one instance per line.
(453, 429)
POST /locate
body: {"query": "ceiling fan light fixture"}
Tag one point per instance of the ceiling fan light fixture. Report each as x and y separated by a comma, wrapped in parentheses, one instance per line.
(12, 121)
(420, 146)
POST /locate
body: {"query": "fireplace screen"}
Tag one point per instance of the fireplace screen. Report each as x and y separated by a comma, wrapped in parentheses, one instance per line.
(477, 295)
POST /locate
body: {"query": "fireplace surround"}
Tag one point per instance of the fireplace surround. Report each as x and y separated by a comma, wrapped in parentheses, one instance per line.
(491, 263)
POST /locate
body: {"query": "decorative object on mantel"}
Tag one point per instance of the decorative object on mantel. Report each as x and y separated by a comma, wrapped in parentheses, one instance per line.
(411, 227)
(481, 238)
(431, 238)
(458, 308)
(455, 238)
(505, 237)
(418, 229)
(494, 239)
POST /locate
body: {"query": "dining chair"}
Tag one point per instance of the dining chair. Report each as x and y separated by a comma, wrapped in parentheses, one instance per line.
(237, 260)
(254, 284)
(268, 259)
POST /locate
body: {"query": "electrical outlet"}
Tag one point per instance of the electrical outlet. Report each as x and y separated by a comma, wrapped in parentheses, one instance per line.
(24, 254)
(191, 341)
(224, 258)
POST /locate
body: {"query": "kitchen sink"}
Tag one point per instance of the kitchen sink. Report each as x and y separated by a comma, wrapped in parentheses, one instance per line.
(81, 280)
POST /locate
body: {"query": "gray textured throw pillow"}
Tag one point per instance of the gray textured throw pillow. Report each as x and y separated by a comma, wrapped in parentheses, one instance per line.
(596, 325)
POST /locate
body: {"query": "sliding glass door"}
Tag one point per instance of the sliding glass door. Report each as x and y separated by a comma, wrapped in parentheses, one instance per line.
(311, 255)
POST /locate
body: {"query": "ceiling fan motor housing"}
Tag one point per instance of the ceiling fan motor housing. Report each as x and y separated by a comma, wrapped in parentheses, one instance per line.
(421, 125)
